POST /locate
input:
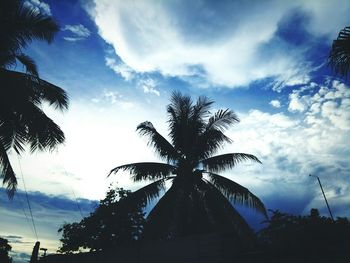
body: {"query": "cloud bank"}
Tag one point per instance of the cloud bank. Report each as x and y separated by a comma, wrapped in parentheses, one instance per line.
(78, 32)
(230, 43)
(312, 139)
(49, 212)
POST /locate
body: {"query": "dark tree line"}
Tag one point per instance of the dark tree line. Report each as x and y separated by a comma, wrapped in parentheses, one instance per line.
(111, 224)
(5, 248)
(311, 238)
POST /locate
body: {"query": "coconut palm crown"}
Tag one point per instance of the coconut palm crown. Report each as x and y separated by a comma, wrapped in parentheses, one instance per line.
(339, 57)
(194, 203)
(22, 93)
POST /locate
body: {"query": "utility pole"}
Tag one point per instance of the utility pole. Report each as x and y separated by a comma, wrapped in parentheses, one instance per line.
(324, 195)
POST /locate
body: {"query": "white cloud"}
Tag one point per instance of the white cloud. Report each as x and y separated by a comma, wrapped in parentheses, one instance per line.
(275, 103)
(149, 86)
(291, 148)
(39, 6)
(100, 135)
(112, 97)
(73, 39)
(79, 32)
(120, 68)
(155, 35)
(297, 102)
(332, 103)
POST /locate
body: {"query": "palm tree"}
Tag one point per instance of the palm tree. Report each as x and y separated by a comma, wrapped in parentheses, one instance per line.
(198, 200)
(339, 57)
(22, 120)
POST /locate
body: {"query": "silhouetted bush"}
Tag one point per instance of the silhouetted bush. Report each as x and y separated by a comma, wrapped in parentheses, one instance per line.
(4, 251)
(305, 238)
(112, 223)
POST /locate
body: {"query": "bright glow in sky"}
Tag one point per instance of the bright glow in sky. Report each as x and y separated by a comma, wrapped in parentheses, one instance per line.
(120, 60)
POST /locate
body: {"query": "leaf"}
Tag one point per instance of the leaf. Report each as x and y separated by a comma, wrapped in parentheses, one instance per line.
(339, 57)
(146, 170)
(236, 193)
(210, 142)
(18, 85)
(29, 63)
(7, 173)
(157, 141)
(221, 162)
(222, 119)
(42, 132)
(146, 194)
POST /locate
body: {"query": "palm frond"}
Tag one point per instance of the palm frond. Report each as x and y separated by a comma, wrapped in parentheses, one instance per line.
(222, 119)
(18, 85)
(13, 134)
(157, 141)
(179, 111)
(147, 193)
(236, 193)
(180, 104)
(29, 63)
(42, 132)
(227, 215)
(32, 25)
(7, 60)
(146, 170)
(210, 142)
(7, 173)
(53, 94)
(339, 57)
(201, 108)
(225, 161)
(21, 24)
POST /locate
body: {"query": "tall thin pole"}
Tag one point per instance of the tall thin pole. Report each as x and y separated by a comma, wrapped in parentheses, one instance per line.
(324, 195)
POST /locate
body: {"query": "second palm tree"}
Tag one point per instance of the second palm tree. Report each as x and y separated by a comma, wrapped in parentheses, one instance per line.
(198, 200)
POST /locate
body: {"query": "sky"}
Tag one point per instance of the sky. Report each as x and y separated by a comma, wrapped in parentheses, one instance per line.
(120, 61)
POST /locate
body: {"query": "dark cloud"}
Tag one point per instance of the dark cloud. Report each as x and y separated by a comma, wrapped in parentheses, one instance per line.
(293, 28)
(13, 238)
(20, 257)
(47, 202)
(49, 213)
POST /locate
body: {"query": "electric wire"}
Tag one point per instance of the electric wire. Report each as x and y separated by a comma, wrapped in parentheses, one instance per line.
(72, 190)
(27, 197)
(77, 203)
(25, 214)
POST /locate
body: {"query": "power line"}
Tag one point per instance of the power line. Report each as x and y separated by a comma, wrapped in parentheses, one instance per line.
(71, 188)
(25, 214)
(76, 201)
(25, 190)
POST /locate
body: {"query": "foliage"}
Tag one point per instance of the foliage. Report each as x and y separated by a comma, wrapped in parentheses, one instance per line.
(339, 57)
(199, 200)
(22, 94)
(111, 224)
(5, 248)
(305, 237)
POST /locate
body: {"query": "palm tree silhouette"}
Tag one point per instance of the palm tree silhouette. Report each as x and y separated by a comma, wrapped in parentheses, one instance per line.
(193, 204)
(339, 57)
(22, 120)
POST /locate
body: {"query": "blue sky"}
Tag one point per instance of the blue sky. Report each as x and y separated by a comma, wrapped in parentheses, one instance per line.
(120, 60)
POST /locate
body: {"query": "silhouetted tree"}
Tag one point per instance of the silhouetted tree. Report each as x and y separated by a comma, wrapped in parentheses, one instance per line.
(290, 238)
(5, 248)
(339, 57)
(193, 204)
(22, 121)
(111, 224)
